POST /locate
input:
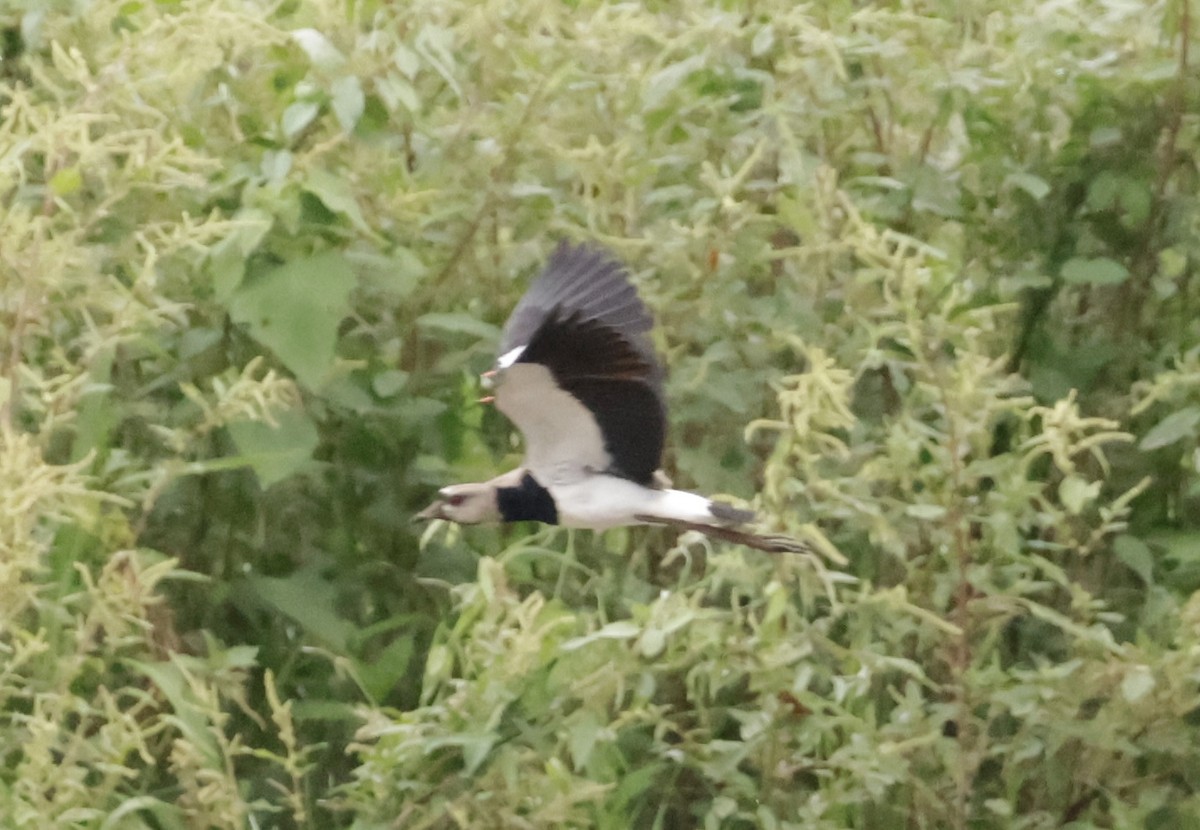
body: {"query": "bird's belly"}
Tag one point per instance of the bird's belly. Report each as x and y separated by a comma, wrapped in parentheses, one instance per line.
(601, 502)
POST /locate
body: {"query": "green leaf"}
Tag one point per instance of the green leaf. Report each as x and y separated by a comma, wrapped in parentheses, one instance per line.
(97, 411)
(1104, 136)
(348, 101)
(667, 80)
(381, 675)
(936, 191)
(397, 91)
(406, 60)
(66, 181)
(1035, 186)
(275, 452)
(582, 734)
(227, 262)
(308, 599)
(295, 309)
(763, 40)
(388, 383)
(1172, 262)
(1174, 427)
(1138, 682)
(999, 806)
(652, 642)
(458, 323)
(320, 49)
(1098, 271)
(349, 392)
(1136, 199)
(298, 116)
(1135, 555)
(193, 723)
(167, 815)
(325, 710)
(1075, 493)
(1103, 190)
(335, 193)
(619, 630)
(927, 512)
(397, 273)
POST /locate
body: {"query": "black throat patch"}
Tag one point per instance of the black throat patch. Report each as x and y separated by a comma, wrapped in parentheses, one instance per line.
(527, 502)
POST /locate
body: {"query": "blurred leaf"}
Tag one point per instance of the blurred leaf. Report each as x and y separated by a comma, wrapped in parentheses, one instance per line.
(927, 512)
(381, 675)
(320, 49)
(458, 323)
(298, 116)
(335, 193)
(665, 81)
(66, 181)
(348, 103)
(192, 721)
(406, 60)
(1180, 559)
(1174, 427)
(1035, 186)
(1138, 682)
(397, 91)
(1103, 190)
(388, 383)
(227, 261)
(307, 598)
(276, 452)
(95, 419)
(652, 642)
(1098, 271)
(1076, 493)
(1135, 555)
(166, 815)
(1104, 136)
(582, 736)
(620, 630)
(295, 310)
(763, 40)
(325, 710)
(934, 191)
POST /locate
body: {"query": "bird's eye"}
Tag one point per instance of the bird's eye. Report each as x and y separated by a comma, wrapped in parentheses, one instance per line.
(455, 500)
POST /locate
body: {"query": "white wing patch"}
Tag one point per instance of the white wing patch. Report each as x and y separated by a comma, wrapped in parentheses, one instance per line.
(509, 358)
(563, 442)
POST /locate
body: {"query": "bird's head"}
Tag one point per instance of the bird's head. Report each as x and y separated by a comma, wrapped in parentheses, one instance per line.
(467, 504)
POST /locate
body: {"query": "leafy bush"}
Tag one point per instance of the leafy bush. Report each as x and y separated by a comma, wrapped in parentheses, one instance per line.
(925, 275)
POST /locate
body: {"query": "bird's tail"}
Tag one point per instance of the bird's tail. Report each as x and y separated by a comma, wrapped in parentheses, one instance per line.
(769, 542)
(715, 519)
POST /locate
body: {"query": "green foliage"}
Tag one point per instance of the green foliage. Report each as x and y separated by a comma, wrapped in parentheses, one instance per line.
(925, 275)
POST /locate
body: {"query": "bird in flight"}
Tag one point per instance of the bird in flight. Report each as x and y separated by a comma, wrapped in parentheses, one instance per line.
(578, 375)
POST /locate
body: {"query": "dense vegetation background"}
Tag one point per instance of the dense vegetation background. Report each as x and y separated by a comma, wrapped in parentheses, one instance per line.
(926, 274)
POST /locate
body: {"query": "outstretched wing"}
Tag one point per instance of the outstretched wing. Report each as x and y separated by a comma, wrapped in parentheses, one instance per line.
(578, 372)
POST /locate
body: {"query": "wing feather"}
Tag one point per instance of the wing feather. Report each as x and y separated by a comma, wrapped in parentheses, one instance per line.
(599, 402)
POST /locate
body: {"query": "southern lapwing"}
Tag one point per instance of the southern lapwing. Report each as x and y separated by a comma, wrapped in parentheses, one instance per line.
(578, 375)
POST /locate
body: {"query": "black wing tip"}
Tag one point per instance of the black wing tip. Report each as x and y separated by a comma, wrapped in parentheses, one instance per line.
(588, 256)
(728, 513)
